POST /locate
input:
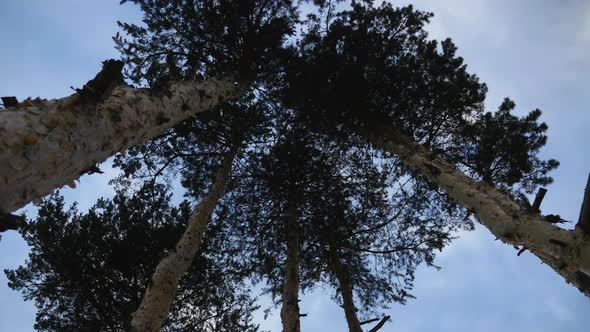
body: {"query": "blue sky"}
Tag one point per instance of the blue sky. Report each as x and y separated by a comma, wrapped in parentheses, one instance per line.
(535, 51)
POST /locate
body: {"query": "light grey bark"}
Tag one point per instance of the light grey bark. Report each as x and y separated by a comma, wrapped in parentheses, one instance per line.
(290, 300)
(354, 325)
(46, 144)
(161, 290)
(565, 251)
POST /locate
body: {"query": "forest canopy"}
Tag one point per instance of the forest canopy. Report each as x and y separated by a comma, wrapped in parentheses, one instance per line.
(349, 149)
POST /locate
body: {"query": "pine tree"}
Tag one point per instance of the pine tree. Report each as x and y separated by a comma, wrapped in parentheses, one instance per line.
(88, 271)
(414, 98)
(191, 56)
(312, 204)
(366, 74)
(160, 293)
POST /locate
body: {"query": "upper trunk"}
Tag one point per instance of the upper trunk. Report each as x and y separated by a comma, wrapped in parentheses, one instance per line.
(45, 144)
(567, 252)
(290, 305)
(343, 277)
(161, 290)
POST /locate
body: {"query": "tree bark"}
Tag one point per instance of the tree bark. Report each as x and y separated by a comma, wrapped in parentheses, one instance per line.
(565, 251)
(354, 325)
(46, 144)
(290, 300)
(161, 290)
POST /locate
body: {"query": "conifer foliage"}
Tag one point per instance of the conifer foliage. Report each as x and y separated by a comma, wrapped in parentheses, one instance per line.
(88, 271)
(358, 147)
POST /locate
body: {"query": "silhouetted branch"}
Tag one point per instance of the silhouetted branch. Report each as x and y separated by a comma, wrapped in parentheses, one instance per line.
(10, 222)
(9, 101)
(380, 325)
(389, 251)
(539, 199)
(369, 321)
(584, 221)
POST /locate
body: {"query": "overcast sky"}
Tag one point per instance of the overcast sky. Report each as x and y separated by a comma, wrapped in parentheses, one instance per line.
(535, 51)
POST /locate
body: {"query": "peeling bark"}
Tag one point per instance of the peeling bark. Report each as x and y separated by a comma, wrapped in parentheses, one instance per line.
(46, 144)
(354, 325)
(290, 306)
(161, 290)
(565, 251)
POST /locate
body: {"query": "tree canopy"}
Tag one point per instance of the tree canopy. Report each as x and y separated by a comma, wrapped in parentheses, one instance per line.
(87, 271)
(319, 193)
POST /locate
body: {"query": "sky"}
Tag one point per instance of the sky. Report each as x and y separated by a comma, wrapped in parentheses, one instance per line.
(534, 51)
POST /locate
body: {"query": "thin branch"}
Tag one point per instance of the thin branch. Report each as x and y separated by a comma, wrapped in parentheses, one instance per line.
(390, 251)
(369, 321)
(380, 325)
(383, 224)
(539, 199)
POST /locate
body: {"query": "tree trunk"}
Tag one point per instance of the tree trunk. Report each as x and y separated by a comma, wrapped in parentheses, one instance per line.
(290, 305)
(161, 290)
(46, 144)
(343, 277)
(565, 251)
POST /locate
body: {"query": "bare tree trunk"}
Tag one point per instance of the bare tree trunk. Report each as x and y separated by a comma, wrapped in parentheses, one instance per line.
(343, 277)
(161, 291)
(290, 305)
(565, 251)
(46, 144)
